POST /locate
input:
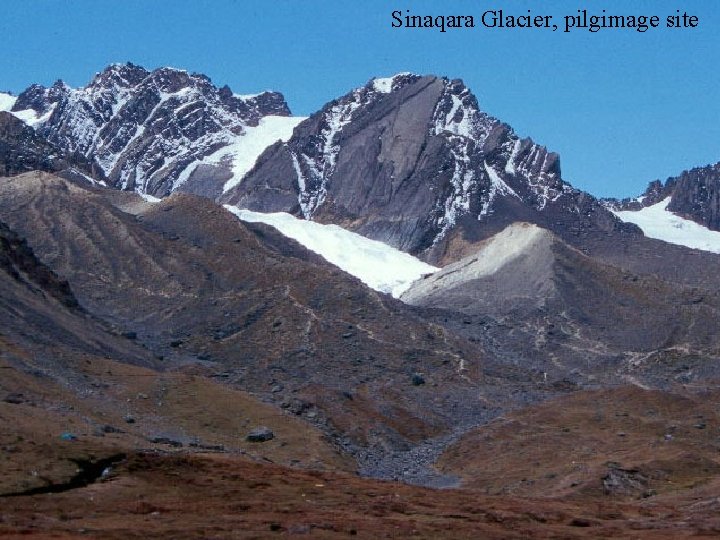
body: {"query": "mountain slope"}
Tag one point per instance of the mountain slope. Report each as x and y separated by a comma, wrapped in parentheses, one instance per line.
(613, 444)
(150, 131)
(657, 221)
(23, 150)
(572, 314)
(245, 305)
(414, 162)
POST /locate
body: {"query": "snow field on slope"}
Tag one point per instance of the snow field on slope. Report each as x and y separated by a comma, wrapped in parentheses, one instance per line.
(384, 84)
(658, 222)
(376, 264)
(246, 148)
(28, 116)
(6, 101)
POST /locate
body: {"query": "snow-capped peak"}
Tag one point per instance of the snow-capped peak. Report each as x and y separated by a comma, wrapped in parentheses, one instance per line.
(384, 85)
(149, 130)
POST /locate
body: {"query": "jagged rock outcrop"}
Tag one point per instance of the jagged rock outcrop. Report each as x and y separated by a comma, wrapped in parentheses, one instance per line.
(695, 195)
(414, 162)
(409, 160)
(148, 131)
(23, 150)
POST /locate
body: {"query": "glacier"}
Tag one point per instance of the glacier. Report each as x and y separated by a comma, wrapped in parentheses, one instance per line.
(379, 266)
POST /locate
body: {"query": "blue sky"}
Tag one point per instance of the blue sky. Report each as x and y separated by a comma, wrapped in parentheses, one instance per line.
(622, 108)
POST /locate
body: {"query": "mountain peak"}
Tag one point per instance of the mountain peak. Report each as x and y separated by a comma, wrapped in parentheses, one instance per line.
(386, 85)
(124, 75)
(148, 131)
(523, 245)
(414, 146)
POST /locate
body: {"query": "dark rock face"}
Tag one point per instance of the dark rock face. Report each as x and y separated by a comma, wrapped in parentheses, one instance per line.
(40, 99)
(19, 262)
(260, 434)
(695, 195)
(23, 150)
(146, 130)
(413, 161)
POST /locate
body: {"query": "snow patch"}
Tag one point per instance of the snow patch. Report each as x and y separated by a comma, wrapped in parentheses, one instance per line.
(149, 198)
(384, 85)
(463, 183)
(463, 127)
(185, 174)
(497, 187)
(247, 97)
(339, 116)
(658, 222)
(319, 168)
(510, 165)
(7, 101)
(245, 149)
(30, 117)
(376, 264)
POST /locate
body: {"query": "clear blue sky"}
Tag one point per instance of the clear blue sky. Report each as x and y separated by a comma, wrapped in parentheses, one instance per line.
(621, 108)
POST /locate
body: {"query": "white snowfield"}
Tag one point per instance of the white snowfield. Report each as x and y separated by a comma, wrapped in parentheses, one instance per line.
(384, 85)
(246, 148)
(149, 198)
(376, 264)
(7, 101)
(239, 151)
(658, 222)
(31, 118)
(28, 116)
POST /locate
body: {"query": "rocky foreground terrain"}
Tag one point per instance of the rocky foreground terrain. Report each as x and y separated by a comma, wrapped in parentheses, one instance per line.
(168, 370)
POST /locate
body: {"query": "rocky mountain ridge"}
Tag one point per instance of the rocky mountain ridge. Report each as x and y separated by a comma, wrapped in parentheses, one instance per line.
(561, 302)
(168, 330)
(145, 130)
(694, 195)
(22, 150)
(409, 145)
(416, 147)
(420, 148)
